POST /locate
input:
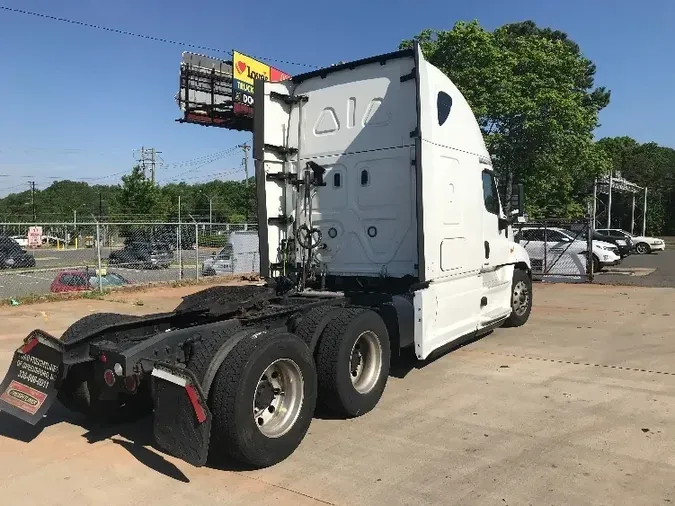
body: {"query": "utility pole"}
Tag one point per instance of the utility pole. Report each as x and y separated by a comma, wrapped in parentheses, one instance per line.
(32, 197)
(148, 159)
(210, 214)
(245, 147)
(100, 206)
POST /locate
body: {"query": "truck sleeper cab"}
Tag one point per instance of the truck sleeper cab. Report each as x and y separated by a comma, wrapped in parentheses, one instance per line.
(380, 228)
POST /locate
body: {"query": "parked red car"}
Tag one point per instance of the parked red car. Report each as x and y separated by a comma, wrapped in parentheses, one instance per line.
(81, 280)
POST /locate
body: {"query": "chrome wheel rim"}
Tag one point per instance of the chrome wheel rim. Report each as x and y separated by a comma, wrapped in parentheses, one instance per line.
(521, 298)
(278, 398)
(641, 249)
(365, 362)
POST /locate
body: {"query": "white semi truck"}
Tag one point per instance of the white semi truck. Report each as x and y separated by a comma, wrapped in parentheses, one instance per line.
(380, 229)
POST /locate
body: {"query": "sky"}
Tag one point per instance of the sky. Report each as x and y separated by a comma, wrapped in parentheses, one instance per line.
(79, 102)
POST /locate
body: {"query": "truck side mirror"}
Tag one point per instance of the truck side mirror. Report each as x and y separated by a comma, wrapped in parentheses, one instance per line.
(518, 200)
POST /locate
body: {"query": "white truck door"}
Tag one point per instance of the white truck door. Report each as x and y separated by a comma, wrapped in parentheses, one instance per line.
(496, 275)
(495, 242)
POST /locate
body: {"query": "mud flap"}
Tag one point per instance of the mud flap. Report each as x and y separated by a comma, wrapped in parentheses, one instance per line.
(33, 378)
(182, 424)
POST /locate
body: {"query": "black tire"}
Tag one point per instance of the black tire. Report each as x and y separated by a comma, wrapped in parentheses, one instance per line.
(208, 341)
(314, 322)
(234, 431)
(335, 367)
(520, 309)
(93, 323)
(642, 248)
(596, 264)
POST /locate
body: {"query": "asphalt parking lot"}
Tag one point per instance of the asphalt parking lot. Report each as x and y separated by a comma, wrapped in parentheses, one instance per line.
(24, 282)
(655, 269)
(576, 407)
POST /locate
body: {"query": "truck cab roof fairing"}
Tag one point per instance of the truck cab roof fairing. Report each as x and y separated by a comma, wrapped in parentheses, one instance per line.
(460, 129)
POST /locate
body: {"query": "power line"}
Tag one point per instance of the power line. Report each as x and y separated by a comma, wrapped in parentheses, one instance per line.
(226, 172)
(139, 35)
(208, 162)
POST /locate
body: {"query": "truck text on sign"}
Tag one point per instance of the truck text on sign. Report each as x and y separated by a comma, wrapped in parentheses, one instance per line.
(245, 70)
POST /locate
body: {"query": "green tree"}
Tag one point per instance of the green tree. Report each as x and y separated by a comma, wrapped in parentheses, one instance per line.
(533, 94)
(136, 199)
(647, 165)
(140, 197)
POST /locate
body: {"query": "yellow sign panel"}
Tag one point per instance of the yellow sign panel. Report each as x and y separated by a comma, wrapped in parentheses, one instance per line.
(247, 69)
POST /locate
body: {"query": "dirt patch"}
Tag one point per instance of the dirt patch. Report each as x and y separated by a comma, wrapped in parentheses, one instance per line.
(56, 316)
(125, 293)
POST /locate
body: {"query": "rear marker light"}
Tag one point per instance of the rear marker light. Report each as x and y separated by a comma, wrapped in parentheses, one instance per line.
(26, 348)
(109, 377)
(103, 358)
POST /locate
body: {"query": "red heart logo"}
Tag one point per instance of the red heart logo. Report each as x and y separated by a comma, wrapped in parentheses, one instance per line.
(241, 66)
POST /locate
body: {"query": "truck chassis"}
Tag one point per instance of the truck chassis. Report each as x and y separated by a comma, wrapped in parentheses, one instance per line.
(233, 371)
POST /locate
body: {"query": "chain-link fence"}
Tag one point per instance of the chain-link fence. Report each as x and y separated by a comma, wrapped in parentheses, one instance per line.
(561, 250)
(72, 257)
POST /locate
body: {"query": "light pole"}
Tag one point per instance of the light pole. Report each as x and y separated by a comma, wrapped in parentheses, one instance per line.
(210, 197)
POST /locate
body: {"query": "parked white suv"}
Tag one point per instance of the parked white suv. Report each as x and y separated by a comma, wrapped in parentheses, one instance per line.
(559, 251)
(643, 244)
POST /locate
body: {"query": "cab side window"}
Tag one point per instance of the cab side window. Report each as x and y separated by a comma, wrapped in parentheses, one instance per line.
(490, 195)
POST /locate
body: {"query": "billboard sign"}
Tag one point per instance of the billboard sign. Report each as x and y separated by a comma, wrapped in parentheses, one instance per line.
(219, 93)
(245, 70)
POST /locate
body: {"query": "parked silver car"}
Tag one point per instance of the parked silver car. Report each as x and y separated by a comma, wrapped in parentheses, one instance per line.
(220, 263)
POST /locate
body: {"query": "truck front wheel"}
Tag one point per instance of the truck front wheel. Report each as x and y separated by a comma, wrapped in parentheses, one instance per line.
(352, 362)
(521, 299)
(263, 398)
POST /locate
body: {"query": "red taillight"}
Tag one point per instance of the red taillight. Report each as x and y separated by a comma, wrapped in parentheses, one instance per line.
(130, 383)
(26, 348)
(109, 377)
(103, 358)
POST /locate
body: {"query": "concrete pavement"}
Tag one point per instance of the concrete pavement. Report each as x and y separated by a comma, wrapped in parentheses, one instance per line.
(577, 407)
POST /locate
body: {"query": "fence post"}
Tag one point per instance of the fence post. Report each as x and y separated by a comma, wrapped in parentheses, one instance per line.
(180, 254)
(589, 249)
(197, 250)
(98, 255)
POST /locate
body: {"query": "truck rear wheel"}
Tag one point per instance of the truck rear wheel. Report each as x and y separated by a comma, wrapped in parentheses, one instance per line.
(353, 362)
(314, 322)
(521, 299)
(263, 398)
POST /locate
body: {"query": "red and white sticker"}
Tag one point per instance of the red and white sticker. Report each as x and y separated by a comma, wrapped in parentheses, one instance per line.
(23, 397)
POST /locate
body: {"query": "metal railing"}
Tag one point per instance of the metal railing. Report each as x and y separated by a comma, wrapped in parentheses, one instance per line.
(43, 258)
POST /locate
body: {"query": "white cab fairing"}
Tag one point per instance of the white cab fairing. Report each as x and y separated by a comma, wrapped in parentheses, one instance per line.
(409, 188)
(356, 124)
